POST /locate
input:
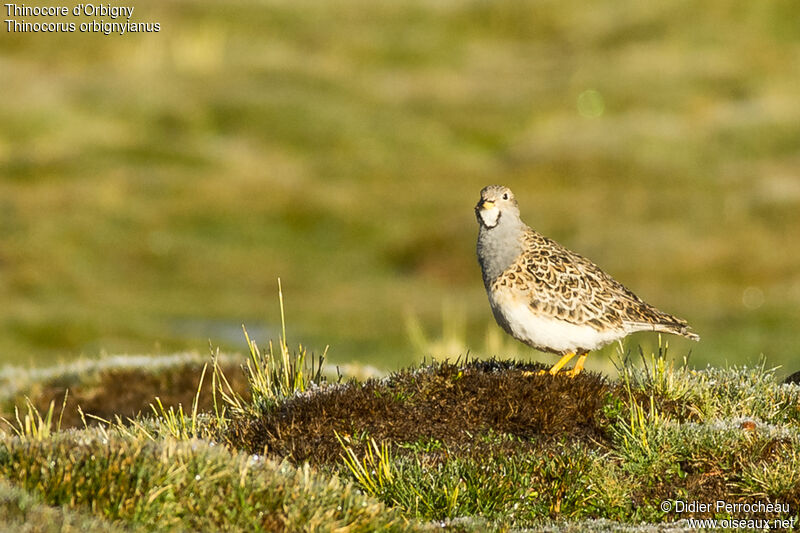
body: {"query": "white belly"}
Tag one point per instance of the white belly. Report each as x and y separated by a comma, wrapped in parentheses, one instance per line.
(549, 334)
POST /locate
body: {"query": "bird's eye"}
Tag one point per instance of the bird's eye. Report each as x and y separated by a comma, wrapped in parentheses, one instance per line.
(505, 196)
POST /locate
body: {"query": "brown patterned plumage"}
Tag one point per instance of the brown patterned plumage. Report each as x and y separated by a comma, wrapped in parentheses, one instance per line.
(549, 297)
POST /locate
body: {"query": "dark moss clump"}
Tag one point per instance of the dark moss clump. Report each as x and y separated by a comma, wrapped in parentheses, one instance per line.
(126, 391)
(454, 404)
(794, 378)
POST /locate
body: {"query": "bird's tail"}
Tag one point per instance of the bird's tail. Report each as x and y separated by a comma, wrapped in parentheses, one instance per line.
(671, 324)
(677, 329)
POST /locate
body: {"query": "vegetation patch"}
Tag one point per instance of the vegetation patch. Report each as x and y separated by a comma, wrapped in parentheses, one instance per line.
(23, 511)
(185, 485)
(469, 445)
(498, 440)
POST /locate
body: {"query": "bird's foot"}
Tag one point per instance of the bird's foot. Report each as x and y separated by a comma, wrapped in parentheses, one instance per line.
(561, 362)
(578, 366)
(557, 367)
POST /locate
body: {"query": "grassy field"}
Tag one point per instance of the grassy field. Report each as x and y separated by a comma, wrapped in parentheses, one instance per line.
(154, 186)
(470, 445)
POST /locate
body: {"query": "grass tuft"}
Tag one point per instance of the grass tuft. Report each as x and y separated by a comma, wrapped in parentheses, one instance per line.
(374, 472)
(273, 375)
(32, 425)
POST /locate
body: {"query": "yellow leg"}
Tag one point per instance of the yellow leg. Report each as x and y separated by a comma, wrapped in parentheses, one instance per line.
(578, 366)
(561, 362)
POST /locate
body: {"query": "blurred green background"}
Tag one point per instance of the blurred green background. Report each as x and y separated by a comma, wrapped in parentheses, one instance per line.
(154, 186)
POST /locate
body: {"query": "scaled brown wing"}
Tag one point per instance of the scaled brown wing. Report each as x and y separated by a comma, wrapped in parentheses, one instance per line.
(570, 287)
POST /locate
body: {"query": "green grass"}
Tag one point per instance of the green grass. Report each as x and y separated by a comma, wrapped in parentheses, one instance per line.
(152, 187)
(22, 511)
(192, 485)
(471, 445)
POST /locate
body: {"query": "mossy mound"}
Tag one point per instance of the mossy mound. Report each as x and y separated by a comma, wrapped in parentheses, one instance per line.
(450, 403)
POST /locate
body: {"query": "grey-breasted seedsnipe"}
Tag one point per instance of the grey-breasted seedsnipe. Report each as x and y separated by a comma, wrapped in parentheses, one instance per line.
(551, 298)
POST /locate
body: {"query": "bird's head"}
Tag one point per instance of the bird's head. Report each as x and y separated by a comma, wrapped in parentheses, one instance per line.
(496, 202)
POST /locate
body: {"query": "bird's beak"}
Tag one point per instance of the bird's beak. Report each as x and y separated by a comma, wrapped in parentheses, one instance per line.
(485, 204)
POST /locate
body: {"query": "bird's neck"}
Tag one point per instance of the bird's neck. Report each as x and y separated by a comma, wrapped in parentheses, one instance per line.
(499, 246)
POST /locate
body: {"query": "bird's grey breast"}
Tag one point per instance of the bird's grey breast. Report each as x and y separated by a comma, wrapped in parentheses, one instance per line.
(498, 248)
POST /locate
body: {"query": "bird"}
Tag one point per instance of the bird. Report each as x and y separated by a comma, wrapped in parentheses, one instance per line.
(551, 298)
